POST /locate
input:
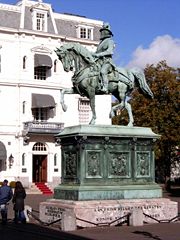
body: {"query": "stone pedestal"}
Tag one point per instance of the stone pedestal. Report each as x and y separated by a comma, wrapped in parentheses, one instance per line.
(68, 221)
(107, 162)
(136, 217)
(107, 173)
(108, 212)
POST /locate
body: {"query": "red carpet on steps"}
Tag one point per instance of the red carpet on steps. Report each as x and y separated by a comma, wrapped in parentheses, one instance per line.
(44, 188)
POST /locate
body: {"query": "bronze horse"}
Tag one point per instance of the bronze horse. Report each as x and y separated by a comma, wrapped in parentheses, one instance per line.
(86, 79)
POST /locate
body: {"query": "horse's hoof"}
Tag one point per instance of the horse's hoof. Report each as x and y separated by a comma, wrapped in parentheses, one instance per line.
(92, 122)
(65, 108)
(111, 115)
(130, 124)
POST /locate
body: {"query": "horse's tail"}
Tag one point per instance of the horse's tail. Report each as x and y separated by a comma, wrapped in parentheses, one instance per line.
(140, 77)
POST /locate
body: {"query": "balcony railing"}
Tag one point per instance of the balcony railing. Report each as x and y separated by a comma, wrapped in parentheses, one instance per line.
(43, 127)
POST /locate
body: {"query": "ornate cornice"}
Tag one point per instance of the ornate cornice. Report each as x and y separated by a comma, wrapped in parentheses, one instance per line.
(41, 49)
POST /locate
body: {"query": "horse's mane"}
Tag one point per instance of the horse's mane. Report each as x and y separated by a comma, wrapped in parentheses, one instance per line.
(79, 49)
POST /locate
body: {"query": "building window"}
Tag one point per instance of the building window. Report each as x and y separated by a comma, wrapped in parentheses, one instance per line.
(23, 107)
(40, 73)
(40, 21)
(23, 159)
(3, 157)
(42, 66)
(55, 65)
(40, 114)
(39, 147)
(24, 62)
(55, 159)
(84, 111)
(85, 32)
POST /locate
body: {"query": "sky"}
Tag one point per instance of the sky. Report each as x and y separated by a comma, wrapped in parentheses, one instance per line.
(145, 31)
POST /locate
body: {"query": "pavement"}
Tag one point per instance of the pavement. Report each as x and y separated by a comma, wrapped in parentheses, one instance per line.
(36, 231)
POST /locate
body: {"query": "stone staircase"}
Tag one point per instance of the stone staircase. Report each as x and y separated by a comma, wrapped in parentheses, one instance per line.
(39, 188)
(44, 188)
(33, 189)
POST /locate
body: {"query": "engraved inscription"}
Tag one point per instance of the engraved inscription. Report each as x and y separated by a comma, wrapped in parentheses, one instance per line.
(114, 213)
(108, 214)
(53, 213)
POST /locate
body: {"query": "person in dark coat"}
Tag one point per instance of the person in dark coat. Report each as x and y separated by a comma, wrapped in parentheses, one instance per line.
(18, 200)
(5, 196)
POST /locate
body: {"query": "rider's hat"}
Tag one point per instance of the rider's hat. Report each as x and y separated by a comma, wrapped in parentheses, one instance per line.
(105, 31)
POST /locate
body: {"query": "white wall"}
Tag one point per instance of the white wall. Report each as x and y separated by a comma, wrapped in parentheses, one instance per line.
(18, 84)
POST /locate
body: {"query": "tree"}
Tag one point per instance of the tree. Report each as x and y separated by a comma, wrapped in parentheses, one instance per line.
(161, 114)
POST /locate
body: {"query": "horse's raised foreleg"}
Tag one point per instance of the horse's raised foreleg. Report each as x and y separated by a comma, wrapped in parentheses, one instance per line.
(62, 92)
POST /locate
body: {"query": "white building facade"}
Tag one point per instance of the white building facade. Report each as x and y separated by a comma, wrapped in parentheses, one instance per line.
(31, 77)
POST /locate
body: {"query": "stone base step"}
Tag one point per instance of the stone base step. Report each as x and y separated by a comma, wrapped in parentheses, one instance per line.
(41, 188)
(112, 212)
(33, 189)
(44, 188)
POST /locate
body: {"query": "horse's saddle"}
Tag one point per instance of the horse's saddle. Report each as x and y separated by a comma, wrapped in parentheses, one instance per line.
(115, 75)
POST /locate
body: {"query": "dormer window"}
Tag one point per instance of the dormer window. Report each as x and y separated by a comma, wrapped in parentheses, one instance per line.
(85, 32)
(40, 20)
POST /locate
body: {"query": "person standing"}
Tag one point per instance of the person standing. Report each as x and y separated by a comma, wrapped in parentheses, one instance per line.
(5, 196)
(18, 200)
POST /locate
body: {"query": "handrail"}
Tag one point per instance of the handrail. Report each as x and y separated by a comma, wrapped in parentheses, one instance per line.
(83, 220)
(163, 220)
(107, 223)
(127, 216)
(43, 223)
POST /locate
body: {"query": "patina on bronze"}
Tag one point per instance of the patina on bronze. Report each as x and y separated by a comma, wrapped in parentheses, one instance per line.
(95, 73)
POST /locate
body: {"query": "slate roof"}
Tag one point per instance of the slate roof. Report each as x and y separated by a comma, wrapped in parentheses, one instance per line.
(10, 17)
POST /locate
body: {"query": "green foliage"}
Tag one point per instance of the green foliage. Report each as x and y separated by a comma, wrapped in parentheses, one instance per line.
(121, 118)
(162, 113)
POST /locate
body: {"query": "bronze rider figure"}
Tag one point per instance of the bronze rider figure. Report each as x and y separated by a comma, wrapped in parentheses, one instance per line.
(104, 53)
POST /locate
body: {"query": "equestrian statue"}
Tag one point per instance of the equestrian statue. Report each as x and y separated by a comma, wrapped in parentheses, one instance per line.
(95, 74)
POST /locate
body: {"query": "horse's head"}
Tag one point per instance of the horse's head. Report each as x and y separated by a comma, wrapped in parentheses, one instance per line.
(66, 58)
(74, 56)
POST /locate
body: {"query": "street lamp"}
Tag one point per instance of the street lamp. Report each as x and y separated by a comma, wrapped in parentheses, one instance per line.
(11, 160)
